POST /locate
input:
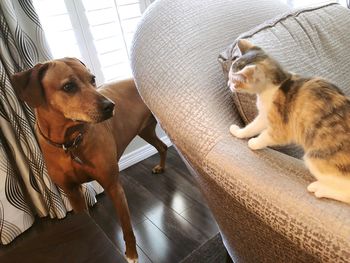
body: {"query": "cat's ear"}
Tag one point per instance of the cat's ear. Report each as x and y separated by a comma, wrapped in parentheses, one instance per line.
(244, 77)
(247, 73)
(244, 45)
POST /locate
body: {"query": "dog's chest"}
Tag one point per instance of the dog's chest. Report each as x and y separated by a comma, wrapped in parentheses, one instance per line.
(97, 159)
(64, 169)
(81, 176)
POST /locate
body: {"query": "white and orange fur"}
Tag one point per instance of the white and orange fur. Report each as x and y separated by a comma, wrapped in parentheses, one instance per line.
(305, 111)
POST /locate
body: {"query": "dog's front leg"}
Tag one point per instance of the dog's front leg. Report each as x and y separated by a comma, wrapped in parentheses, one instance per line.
(76, 198)
(117, 195)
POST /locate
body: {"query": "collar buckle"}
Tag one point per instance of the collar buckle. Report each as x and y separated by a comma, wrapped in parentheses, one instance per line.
(67, 147)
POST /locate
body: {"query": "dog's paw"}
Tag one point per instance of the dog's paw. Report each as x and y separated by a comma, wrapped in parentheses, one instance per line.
(158, 169)
(131, 260)
(236, 131)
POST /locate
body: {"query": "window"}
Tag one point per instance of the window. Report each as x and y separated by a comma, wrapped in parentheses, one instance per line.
(98, 32)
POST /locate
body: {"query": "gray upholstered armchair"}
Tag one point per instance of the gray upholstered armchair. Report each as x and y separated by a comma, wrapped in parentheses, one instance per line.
(259, 199)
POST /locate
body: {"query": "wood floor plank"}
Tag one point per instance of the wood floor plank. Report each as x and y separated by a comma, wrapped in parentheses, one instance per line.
(164, 190)
(168, 213)
(177, 228)
(202, 218)
(143, 258)
(109, 225)
(75, 239)
(106, 204)
(179, 175)
(185, 186)
(158, 247)
(113, 230)
(40, 225)
(139, 198)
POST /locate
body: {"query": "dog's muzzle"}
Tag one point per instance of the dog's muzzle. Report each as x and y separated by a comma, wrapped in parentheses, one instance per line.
(107, 109)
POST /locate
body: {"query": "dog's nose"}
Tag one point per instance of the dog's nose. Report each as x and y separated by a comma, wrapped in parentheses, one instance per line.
(107, 106)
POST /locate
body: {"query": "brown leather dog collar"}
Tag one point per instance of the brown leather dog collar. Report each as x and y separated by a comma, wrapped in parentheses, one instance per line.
(69, 146)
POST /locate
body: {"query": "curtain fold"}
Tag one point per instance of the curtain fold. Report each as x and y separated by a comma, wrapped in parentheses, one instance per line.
(26, 189)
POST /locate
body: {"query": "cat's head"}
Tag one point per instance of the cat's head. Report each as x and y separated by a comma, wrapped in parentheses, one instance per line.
(253, 70)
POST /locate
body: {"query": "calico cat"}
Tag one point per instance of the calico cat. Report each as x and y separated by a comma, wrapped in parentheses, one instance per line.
(311, 112)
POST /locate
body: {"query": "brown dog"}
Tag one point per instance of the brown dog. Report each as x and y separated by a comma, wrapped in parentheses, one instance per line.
(79, 144)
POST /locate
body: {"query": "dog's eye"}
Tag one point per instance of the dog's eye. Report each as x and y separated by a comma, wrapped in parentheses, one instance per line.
(93, 80)
(69, 87)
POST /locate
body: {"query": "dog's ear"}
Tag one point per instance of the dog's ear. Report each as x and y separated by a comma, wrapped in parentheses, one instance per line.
(27, 85)
(81, 62)
(74, 59)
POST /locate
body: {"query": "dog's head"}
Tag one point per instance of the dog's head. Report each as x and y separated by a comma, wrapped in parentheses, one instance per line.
(65, 86)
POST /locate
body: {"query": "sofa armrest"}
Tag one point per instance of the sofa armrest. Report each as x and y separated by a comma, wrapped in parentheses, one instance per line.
(272, 186)
(174, 61)
(258, 198)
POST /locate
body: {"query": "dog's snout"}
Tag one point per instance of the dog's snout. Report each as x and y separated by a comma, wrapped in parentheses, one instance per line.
(107, 106)
(106, 109)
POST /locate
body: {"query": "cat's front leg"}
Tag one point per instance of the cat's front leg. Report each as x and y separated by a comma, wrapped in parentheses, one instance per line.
(262, 141)
(252, 129)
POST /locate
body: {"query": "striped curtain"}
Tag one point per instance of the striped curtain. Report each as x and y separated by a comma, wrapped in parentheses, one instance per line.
(25, 187)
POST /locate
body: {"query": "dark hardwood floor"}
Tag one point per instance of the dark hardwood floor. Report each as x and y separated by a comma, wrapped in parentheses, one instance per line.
(169, 217)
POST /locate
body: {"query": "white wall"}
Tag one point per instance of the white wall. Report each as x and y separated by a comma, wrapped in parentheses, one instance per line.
(139, 150)
(139, 142)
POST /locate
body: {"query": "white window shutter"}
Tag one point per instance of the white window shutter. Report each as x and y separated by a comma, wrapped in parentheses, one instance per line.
(98, 32)
(84, 38)
(144, 4)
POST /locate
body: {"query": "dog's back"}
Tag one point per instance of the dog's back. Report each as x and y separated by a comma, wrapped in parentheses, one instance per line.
(129, 107)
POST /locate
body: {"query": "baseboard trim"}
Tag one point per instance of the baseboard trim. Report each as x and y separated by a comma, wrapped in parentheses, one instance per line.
(140, 154)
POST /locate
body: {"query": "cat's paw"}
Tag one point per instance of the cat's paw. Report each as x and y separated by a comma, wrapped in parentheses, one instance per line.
(254, 144)
(236, 131)
(318, 189)
(322, 190)
(313, 186)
